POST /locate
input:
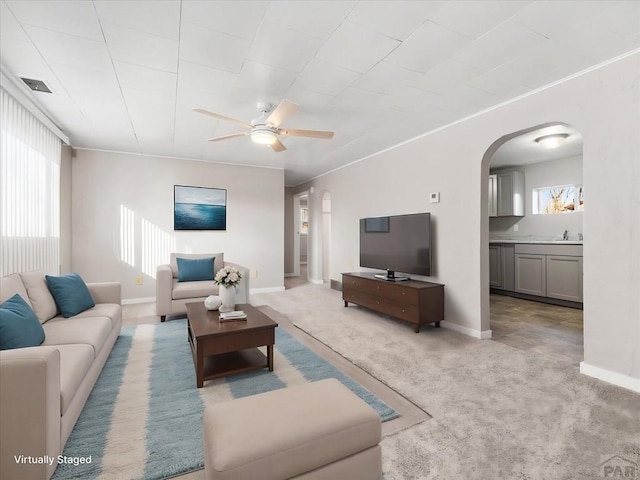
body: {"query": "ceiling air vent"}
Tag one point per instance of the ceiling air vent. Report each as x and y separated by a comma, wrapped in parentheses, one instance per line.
(36, 85)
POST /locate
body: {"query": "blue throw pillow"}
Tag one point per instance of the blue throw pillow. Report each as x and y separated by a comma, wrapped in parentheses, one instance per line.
(70, 293)
(19, 326)
(195, 269)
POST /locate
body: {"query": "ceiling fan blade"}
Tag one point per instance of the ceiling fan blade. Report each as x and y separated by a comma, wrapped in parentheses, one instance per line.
(281, 113)
(295, 132)
(225, 137)
(222, 117)
(278, 146)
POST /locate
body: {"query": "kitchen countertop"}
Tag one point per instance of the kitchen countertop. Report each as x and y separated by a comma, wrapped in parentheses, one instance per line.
(526, 240)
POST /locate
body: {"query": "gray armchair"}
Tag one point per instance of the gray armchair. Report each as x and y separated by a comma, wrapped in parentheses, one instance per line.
(172, 296)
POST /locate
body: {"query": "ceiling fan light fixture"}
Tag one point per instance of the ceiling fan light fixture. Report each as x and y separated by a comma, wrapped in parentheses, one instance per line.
(266, 129)
(263, 136)
(552, 141)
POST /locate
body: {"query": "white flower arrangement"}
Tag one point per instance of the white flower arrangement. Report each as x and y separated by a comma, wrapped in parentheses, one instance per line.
(228, 277)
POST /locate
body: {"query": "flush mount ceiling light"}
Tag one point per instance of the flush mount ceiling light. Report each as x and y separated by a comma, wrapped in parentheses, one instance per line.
(263, 136)
(552, 141)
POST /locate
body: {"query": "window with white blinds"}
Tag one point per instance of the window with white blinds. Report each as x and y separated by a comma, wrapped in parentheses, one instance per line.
(29, 192)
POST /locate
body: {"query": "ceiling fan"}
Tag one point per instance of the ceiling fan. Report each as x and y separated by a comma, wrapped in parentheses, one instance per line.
(266, 128)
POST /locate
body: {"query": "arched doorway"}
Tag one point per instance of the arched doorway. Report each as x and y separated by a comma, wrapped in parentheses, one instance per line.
(534, 219)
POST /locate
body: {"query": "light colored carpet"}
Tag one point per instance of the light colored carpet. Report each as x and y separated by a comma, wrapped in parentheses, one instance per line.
(498, 412)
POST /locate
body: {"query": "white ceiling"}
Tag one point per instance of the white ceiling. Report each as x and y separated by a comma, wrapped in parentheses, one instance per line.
(125, 75)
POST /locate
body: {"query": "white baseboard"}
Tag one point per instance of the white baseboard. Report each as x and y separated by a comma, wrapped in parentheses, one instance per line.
(266, 290)
(482, 335)
(486, 334)
(624, 381)
(133, 301)
(316, 282)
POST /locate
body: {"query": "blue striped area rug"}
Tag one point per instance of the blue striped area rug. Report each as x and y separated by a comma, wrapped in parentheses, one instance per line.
(143, 419)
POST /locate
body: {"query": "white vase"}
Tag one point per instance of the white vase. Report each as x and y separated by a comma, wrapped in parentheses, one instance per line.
(228, 298)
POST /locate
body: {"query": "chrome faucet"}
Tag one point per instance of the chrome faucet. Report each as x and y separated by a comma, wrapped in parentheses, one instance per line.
(565, 235)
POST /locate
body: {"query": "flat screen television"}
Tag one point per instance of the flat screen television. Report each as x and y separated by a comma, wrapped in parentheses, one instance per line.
(398, 243)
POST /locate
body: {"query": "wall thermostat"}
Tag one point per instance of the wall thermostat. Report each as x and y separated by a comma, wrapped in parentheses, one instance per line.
(434, 197)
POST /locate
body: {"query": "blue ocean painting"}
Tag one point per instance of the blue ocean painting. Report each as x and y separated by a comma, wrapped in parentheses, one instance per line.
(199, 208)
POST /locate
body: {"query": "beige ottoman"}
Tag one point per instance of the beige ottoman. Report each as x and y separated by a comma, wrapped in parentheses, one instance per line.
(319, 430)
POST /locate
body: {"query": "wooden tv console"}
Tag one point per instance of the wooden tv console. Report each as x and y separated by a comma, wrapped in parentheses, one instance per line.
(411, 300)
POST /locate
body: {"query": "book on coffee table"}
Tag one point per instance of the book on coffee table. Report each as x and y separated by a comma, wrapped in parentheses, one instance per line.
(231, 316)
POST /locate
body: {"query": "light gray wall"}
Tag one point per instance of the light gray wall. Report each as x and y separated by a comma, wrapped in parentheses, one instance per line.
(103, 183)
(288, 230)
(565, 171)
(604, 106)
(65, 209)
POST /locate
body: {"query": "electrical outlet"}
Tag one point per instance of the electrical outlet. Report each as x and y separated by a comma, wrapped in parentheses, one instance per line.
(434, 197)
(515, 227)
(253, 273)
(138, 280)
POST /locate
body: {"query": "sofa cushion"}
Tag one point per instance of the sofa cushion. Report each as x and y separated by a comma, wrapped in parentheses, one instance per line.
(70, 293)
(19, 326)
(218, 263)
(75, 362)
(12, 284)
(195, 269)
(40, 297)
(182, 290)
(111, 310)
(90, 331)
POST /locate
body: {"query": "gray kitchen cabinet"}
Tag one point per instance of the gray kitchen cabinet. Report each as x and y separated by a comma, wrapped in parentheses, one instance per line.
(506, 194)
(564, 277)
(531, 274)
(508, 267)
(501, 266)
(495, 266)
(493, 195)
(548, 270)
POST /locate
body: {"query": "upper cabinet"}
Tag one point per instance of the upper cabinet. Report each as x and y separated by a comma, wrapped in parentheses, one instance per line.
(493, 195)
(506, 194)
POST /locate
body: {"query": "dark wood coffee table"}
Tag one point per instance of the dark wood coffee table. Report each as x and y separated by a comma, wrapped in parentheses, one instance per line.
(226, 348)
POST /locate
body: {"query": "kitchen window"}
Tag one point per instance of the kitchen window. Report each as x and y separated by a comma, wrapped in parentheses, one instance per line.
(558, 199)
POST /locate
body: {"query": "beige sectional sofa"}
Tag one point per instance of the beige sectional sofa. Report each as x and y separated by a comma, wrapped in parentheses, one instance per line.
(172, 296)
(44, 389)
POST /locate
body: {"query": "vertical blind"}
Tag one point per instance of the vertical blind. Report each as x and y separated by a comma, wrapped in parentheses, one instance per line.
(29, 192)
